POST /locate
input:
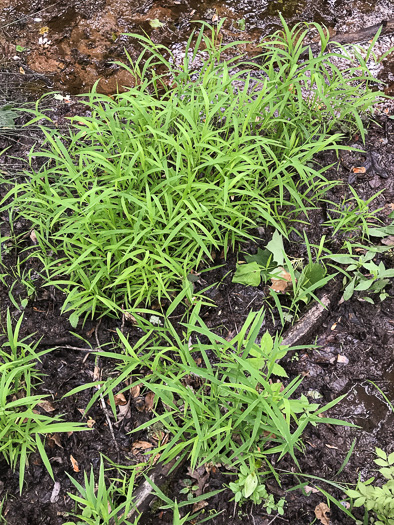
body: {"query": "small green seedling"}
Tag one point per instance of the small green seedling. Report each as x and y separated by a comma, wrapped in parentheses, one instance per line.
(379, 500)
(250, 487)
(364, 275)
(189, 488)
(98, 502)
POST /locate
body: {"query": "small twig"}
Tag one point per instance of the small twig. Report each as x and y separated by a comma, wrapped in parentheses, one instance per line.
(105, 410)
(85, 350)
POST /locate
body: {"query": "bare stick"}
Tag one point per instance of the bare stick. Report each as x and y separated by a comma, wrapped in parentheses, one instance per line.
(105, 410)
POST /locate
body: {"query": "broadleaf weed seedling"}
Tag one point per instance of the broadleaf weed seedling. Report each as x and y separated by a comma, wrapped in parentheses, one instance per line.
(379, 500)
(142, 190)
(250, 486)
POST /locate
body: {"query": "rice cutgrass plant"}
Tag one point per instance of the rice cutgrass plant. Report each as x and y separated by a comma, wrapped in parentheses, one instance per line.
(149, 182)
(20, 423)
(99, 502)
(217, 400)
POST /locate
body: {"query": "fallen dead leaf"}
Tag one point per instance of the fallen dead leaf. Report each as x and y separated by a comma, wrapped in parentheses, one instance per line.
(135, 391)
(22, 71)
(138, 446)
(388, 241)
(129, 317)
(33, 237)
(119, 400)
(199, 505)
(342, 359)
(282, 282)
(56, 438)
(388, 208)
(74, 463)
(361, 169)
(215, 17)
(96, 373)
(90, 423)
(149, 400)
(331, 446)
(201, 475)
(46, 405)
(321, 513)
(123, 411)
(310, 490)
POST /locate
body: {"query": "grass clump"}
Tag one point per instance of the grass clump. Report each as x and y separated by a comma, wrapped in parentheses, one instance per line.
(20, 423)
(215, 400)
(146, 187)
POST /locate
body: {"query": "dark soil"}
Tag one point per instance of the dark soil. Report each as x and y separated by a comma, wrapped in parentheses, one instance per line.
(361, 333)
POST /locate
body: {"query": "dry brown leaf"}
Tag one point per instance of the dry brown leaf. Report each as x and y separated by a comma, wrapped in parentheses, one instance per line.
(138, 446)
(46, 405)
(361, 169)
(389, 208)
(81, 411)
(33, 237)
(56, 439)
(201, 475)
(123, 411)
(342, 359)
(120, 399)
(96, 373)
(282, 282)
(215, 17)
(331, 446)
(199, 505)
(74, 463)
(135, 391)
(388, 241)
(149, 400)
(90, 423)
(129, 317)
(321, 513)
(310, 490)
(22, 71)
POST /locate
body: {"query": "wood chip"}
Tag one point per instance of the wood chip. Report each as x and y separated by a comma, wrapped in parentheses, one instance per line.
(55, 492)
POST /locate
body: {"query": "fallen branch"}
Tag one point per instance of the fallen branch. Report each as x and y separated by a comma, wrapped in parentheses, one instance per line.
(308, 325)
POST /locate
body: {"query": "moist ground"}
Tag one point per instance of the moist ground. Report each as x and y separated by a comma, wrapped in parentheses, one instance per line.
(360, 332)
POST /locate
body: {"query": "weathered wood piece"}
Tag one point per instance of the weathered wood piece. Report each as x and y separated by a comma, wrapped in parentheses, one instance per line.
(307, 326)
